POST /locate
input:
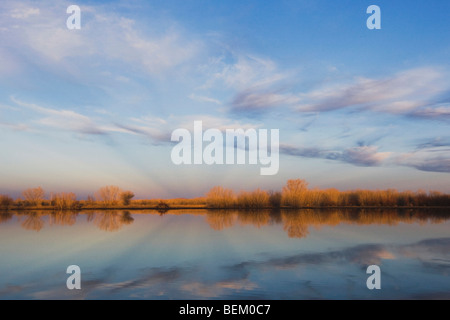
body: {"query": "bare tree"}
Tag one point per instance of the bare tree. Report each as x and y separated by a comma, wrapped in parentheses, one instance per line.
(109, 195)
(294, 191)
(34, 196)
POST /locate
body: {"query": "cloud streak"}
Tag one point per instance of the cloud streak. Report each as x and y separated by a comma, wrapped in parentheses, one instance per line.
(430, 156)
(411, 92)
(365, 156)
(156, 129)
(438, 111)
(254, 99)
(429, 159)
(64, 119)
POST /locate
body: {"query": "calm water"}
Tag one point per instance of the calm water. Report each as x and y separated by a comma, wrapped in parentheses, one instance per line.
(195, 254)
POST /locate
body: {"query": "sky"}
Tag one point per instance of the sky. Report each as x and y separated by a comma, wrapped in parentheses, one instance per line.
(355, 108)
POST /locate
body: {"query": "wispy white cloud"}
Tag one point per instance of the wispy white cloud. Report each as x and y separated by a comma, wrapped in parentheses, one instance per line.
(364, 156)
(15, 126)
(249, 71)
(69, 120)
(157, 129)
(204, 99)
(251, 100)
(23, 12)
(72, 121)
(210, 121)
(107, 36)
(156, 135)
(63, 119)
(260, 84)
(403, 93)
(256, 83)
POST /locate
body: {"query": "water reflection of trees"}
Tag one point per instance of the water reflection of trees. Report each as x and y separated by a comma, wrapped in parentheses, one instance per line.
(36, 220)
(63, 218)
(112, 220)
(221, 219)
(297, 223)
(33, 221)
(258, 218)
(5, 216)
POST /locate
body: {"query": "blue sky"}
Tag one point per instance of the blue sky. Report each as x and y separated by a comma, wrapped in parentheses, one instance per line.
(356, 108)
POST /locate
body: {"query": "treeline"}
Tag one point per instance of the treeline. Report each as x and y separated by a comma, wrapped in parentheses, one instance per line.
(295, 194)
(108, 196)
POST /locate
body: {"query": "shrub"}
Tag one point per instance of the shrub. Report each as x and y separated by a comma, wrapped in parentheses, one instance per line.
(6, 201)
(219, 197)
(64, 200)
(253, 199)
(126, 197)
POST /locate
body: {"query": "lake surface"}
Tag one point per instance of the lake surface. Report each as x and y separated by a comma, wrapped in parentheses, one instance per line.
(200, 254)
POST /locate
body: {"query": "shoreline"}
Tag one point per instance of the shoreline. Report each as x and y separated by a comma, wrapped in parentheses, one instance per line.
(204, 207)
